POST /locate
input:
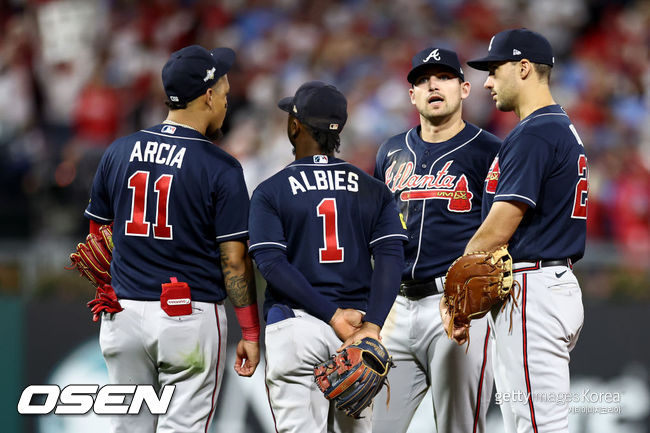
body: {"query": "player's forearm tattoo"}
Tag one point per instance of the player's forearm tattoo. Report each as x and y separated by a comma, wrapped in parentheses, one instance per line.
(239, 281)
(237, 288)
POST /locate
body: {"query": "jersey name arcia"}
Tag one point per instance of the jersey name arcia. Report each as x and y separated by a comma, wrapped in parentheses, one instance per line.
(332, 180)
(158, 153)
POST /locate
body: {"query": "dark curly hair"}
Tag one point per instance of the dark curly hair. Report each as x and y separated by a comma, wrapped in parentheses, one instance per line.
(329, 142)
(175, 105)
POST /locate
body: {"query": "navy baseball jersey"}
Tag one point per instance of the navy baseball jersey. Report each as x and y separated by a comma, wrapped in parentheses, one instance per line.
(173, 197)
(438, 187)
(319, 210)
(542, 163)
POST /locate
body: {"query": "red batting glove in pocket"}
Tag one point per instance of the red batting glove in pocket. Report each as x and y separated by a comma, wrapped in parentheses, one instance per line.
(176, 299)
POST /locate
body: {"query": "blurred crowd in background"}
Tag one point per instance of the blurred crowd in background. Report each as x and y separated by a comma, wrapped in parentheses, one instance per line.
(75, 75)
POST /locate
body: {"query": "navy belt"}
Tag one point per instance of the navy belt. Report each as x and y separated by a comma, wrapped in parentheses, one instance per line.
(418, 289)
(520, 266)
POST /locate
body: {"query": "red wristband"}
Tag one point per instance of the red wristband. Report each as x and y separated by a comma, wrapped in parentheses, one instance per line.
(94, 227)
(249, 322)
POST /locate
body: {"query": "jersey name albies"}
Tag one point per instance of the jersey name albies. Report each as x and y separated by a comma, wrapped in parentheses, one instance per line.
(332, 180)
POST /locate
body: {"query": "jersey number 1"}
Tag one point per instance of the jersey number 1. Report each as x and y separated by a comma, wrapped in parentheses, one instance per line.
(332, 253)
(137, 225)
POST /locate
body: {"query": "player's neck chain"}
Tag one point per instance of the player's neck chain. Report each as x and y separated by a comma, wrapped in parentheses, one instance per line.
(171, 122)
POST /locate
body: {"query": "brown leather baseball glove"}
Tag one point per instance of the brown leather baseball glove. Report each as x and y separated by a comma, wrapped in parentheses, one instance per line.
(474, 283)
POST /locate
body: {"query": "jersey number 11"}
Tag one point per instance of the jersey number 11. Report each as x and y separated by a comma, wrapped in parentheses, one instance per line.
(137, 224)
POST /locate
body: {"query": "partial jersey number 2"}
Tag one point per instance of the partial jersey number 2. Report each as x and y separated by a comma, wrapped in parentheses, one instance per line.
(137, 224)
(582, 187)
(333, 252)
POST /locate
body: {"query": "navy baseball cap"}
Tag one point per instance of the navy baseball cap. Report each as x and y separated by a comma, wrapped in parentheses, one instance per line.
(190, 71)
(516, 44)
(435, 56)
(319, 105)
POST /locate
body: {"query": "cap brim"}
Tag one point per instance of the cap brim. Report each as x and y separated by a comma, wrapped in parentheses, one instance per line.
(286, 104)
(482, 63)
(224, 55)
(413, 74)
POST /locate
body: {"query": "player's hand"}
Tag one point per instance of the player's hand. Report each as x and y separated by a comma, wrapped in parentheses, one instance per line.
(461, 332)
(248, 356)
(367, 330)
(346, 322)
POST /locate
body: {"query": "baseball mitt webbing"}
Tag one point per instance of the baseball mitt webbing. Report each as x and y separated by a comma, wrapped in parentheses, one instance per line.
(353, 377)
(475, 282)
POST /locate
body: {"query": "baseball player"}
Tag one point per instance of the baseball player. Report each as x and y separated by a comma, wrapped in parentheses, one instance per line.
(314, 227)
(435, 172)
(179, 206)
(535, 199)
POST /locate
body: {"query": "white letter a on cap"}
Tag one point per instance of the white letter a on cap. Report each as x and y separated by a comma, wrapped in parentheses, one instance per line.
(434, 54)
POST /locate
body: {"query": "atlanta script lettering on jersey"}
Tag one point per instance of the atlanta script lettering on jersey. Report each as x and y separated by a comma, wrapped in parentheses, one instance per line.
(422, 187)
(158, 153)
(335, 180)
(406, 178)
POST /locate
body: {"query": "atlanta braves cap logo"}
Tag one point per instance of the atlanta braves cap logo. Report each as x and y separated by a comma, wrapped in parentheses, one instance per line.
(435, 54)
(434, 57)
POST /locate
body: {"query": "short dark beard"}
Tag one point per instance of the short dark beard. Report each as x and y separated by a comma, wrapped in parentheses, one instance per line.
(436, 120)
(293, 145)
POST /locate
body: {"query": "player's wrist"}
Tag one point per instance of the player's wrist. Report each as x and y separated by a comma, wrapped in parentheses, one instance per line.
(249, 322)
(335, 316)
(370, 328)
(371, 325)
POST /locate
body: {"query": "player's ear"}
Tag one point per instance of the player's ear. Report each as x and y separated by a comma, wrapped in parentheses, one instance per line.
(208, 97)
(412, 95)
(211, 94)
(465, 88)
(293, 127)
(525, 68)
